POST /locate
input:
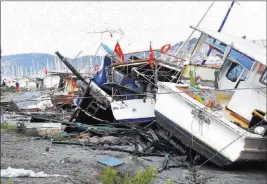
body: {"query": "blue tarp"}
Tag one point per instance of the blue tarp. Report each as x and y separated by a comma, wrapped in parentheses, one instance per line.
(111, 161)
(234, 54)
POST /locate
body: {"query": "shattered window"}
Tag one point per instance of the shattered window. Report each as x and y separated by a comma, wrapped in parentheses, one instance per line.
(117, 77)
(234, 72)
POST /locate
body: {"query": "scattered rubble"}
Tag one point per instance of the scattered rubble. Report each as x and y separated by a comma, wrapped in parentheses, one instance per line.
(128, 146)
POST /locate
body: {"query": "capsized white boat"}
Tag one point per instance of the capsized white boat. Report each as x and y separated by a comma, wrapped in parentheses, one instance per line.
(226, 124)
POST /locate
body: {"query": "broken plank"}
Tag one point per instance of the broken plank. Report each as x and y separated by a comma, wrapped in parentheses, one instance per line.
(153, 134)
(180, 148)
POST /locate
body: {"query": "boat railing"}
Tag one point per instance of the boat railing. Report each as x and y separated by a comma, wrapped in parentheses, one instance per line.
(157, 56)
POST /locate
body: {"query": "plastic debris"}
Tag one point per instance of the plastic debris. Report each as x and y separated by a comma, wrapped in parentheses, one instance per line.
(111, 161)
(13, 173)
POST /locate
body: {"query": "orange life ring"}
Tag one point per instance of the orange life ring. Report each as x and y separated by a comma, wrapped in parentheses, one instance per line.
(165, 48)
(260, 68)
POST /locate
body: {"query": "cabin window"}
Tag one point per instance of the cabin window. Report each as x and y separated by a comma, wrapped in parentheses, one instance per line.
(263, 78)
(234, 72)
(118, 77)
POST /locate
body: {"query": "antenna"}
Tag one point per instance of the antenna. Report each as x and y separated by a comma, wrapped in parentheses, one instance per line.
(118, 31)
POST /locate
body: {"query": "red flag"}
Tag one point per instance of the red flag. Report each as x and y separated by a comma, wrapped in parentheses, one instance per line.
(151, 57)
(73, 83)
(46, 71)
(118, 51)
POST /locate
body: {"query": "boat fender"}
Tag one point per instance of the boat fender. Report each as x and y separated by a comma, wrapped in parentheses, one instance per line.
(259, 130)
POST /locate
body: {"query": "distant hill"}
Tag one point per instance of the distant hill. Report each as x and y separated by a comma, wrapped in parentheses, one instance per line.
(39, 61)
(33, 59)
(36, 62)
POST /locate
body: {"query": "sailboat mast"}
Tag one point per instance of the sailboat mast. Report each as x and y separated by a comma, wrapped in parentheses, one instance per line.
(32, 66)
(13, 71)
(223, 22)
(58, 63)
(37, 66)
(51, 65)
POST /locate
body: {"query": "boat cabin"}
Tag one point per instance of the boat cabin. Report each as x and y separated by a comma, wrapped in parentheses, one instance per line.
(241, 79)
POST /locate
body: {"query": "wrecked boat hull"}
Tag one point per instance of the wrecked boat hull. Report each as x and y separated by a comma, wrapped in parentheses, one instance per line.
(206, 150)
(186, 139)
(99, 104)
(92, 105)
(62, 100)
(33, 101)
(135, 110)
(205, 132)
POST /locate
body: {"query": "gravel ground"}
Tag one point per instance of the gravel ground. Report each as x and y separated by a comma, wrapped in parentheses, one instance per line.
(81, 166)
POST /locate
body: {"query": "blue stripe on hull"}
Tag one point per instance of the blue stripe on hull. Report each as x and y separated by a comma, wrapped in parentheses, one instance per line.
(137, 120)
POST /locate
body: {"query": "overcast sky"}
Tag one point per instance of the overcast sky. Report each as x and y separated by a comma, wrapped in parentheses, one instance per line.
(45, 27)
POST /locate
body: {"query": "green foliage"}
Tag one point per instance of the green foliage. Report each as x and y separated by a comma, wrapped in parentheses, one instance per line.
(145, 177)
(57, 137)
(169, 181)
(6, 127)
(11, 87)
(10, 181)
(111, 176)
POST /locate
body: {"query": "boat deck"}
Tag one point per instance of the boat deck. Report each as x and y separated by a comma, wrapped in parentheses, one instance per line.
(223, 98)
